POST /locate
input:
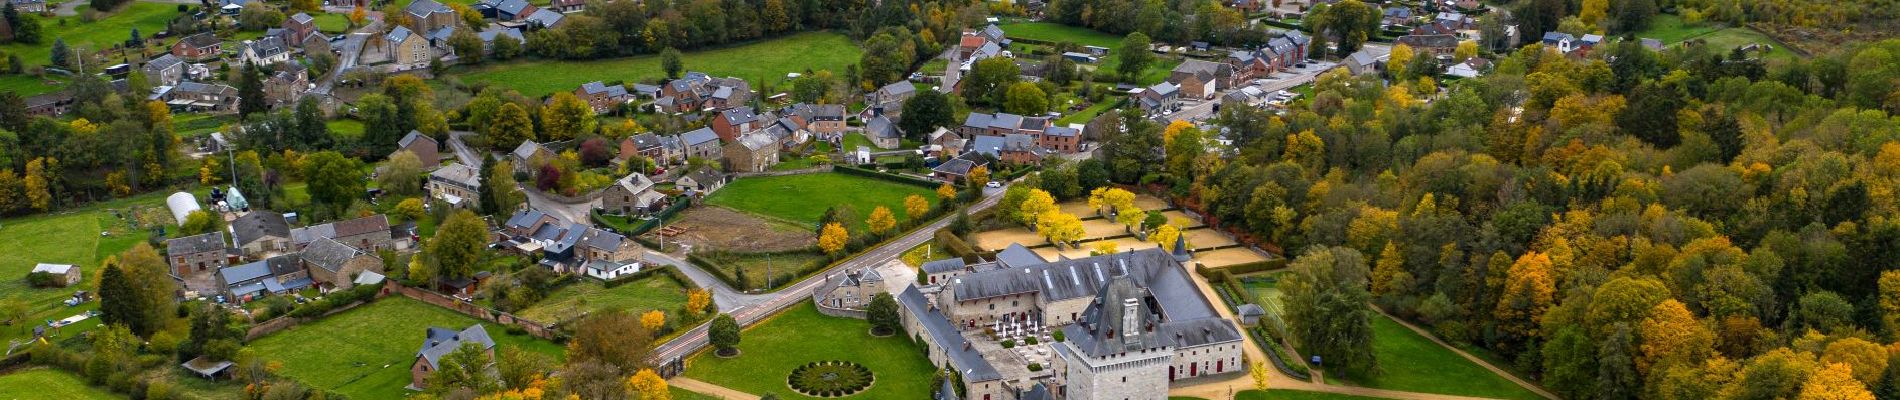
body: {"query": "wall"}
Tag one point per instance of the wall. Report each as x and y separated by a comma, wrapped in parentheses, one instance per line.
(812, 170)
(533, 328)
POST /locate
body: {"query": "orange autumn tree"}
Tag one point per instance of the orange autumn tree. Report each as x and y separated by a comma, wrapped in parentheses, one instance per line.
(1672, 335)
(1528, 291)
(1834, 382)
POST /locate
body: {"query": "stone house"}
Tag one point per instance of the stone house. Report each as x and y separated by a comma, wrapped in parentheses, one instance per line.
(852, 289)
(369, 233)
(429, 15)
(631, 195)
(424, 147)
(883, 133)
(166, 70)
(197, 255)
(261, 232)
(275, 275)
(457, 184)
(889, 100)
(335, 265)
(702, 181)
(701, 143)
(439, 342)
(753, 152)
(66, 274)
(287, 85)
(405, 48)
(825, 120)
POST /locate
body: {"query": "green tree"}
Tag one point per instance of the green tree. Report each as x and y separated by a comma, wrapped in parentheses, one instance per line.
(250, 87)
(383, 122)
(1026, 99)
(671, 63)
(567, 117)
(467, 45)
(459, 244)
(119, 303)
(200, 222)
(401, 175)
(924, 112)
(464, 368)
(511, 127)
(334, 181)
(989, 79)
(724, 334)
(1327, 309)
(1135, 56)
(882, 312)
(504, 191)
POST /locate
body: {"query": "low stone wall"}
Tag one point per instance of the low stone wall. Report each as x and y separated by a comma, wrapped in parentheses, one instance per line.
(812, 170)
(286, 322)
(533, 328)
(557, 197)
(818, 297)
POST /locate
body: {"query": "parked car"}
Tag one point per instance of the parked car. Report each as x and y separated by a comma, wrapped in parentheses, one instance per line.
(994, 184)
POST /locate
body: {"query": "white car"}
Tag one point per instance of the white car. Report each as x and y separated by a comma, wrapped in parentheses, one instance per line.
(994, 184)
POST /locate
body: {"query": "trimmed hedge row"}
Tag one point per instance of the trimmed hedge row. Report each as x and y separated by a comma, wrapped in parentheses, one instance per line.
(1233, 293)
(1257, 266)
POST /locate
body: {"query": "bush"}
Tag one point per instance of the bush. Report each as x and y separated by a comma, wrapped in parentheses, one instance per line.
(1034, 367)
(1009, 343)
(1031, 340)
(1058, 336)
(44, 280)
(830, 378)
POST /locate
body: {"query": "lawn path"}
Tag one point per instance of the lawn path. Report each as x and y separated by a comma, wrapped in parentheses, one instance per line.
(1475, 360)
(716, 391)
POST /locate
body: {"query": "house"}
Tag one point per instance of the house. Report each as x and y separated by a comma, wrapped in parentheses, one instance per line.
(404, 48)
(315, 44)
(852, 289)
(287, 84)
(565, 247)
(608, 270)
(1589, 41)
(889, 100)
(567, 6)
(1401, 16)
(1430, 45)
(545, 19)
(673, 150)
(200, 47)
(1471, 68)
(956, 169)
(701, 143)
(275, 275)
(701, 181)
(826, 120)
(439, 342)
(197, 255)
(527, 152)
(428, 16)
(166, 70)
(698, 91)
(507, 10)
(369, 233)
(631, 195)
(489, 36)
(752, 152)
(788, 131)
(1160, 99)
(1362, 62)
(1060, 139)
(424, 147)
(883, 133)
(1245, 6)
(1562, 42)
(1017, 148)
(65, 275)
(644, 145)
(732, 122)
(457, 184)
(602, 97)
(335, 265)
(1201, 79)
(299, 27)
(524, 223)
(261, 232)
(49, 104)
(197, 97)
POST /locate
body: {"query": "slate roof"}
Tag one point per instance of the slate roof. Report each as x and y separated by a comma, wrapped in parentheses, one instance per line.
(705, 175)
(303, 19)
(458, 173)
(546, 18)
(756, 141)
(967, 360)
(488, 36)
(201, 40)
(881, 127)
(527, 149)
(426, 7)
(1428, 41)
(401, 33)
(258, 225)
(329, 254)
(274, 266)
(511, 6)
(164, 62)
(1554, 37)
(941, 266)
(438, 342)
(956, 166)
(898, 89)
(699, 136)
(56, 269)
(412, 137)
(1061, 131)
(596, 87)
(1167, 305)
(1017, 256)
(194, 244)
(363, 225)
(738, 115)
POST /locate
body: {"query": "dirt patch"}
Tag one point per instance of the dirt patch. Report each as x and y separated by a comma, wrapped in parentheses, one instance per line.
(1226, 257)
(719, 228)
(999, 239)
(1206, 238)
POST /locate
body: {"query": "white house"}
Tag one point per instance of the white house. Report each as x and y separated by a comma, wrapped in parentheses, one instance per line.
(608, 270)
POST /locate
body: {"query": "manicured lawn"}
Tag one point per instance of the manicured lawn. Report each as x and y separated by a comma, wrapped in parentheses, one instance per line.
(1055, 33)
(771, 350)
(1284, 394)
(1670, 29)
(1266, 291)
(655, 292)
(1087, 114)
(1728, 39)
(803, 198)
(68, 237)
(332, 22)
(365, 353)
(27, 85)
(683, 394)
(927, 252)
(759, 62)
(47, 383)
(347, 128)
(1413, 363)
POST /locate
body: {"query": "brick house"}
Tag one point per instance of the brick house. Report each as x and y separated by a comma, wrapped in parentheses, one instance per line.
(645, 145)
(602, 97)
(299, 27)
(732, 122)
(199, 47)
(424, 147)
(439, 342)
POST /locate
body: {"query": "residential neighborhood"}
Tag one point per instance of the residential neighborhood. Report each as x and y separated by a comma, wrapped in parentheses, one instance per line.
(1081, 199)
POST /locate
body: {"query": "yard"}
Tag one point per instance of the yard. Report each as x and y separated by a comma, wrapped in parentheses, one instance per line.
(104, 33)
(1414, 363)
(763, 270)
(47, 383)
(802, 199)
(656, 292)
(769, 351)
(759, 61)
(365, 353)
(719, 228)
(85, 237)
(1672, 30)
(332, 22)
(1055, 33)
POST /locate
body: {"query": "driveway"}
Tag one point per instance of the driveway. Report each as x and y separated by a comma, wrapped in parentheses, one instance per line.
(771, 303)
(468, 156)
(575, 213)
(728, 299)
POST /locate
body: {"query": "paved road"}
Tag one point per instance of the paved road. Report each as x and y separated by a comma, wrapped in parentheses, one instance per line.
(468, 156)
(695, 339)
(728, 299)
(347, 53)
(576, 213)
(1280, 81)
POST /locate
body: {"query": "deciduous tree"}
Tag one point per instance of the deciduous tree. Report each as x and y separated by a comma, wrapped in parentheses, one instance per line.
(881, 221)
(832, 238)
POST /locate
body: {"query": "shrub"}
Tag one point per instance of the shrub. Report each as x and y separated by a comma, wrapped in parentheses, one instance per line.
(1058, 336)
(1009, 343)
(829, 378)
(1031, 340)
(43, 279)
(1034, 367)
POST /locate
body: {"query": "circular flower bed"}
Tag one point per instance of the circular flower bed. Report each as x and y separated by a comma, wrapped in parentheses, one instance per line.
(829, 378)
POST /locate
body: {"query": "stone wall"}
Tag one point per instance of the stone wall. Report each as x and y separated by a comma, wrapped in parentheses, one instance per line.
(533, 328)
(812, 170)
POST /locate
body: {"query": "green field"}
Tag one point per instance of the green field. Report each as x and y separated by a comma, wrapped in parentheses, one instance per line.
(763, 270)
(49, 384)
(28, 85)
(105, 33)
(1671, 30)
(1054, 33)
(759, 61)
(655, 292)
(800, 335)
(68, 237)
(1267, 292)
(366, 353)
(802, 199)
(1414, 363)
(1284, 394)
(332, 22)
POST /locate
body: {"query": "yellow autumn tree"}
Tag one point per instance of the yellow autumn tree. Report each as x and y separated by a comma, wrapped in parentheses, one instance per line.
(1106, 247)
(915, 206)
(1528, 291)
(1465, 51)
(1130, 217)
(881, 220)
(647, 385)
(1593, 12)
(1174, 128)
(1834, 382)
(1386, 271)
(832, 238)
(210, 172)
(1867, 359)
(979, 176)
(1260, 375)
(697, 300)
(1672, 336)
(1165, 236)
(1059, 227)
(653, 320)
(1305, 148)
(358, 16)
(1400, 57)
(1033, 206)
(1889, 302)
(946, 192)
